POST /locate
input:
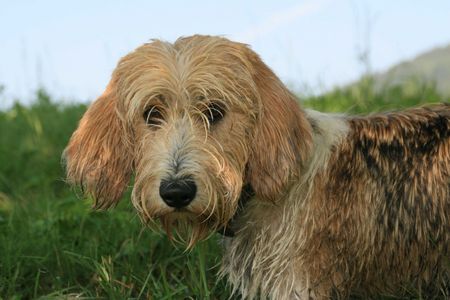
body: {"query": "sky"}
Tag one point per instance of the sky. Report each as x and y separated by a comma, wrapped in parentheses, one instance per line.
(71, 47)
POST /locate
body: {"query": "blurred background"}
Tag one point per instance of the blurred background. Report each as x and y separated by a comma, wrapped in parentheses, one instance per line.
(71, 48)
(353, 56)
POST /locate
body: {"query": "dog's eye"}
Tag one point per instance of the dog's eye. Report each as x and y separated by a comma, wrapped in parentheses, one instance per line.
(214, 113)
(153, 116)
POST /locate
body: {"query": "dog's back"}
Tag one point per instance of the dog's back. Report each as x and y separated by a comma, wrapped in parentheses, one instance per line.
(389, 186)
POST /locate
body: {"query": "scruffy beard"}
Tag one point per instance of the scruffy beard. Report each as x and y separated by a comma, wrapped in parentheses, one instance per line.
(187, 228)
(197, 222)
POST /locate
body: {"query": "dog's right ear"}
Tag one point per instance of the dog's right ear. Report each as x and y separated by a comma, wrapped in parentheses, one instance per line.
(98, 157)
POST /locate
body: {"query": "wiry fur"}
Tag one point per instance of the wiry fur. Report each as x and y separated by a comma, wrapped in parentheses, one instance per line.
(342, 204)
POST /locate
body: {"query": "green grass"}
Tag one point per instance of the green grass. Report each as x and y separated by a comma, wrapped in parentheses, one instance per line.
(52, 245)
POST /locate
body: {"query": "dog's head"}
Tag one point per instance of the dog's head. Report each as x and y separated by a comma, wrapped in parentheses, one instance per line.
(193, 121)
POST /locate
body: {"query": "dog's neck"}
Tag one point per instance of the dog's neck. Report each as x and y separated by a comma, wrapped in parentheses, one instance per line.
(268, 235)
(247, 193)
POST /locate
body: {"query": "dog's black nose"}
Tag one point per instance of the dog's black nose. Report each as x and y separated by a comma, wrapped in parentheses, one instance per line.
(177, 193)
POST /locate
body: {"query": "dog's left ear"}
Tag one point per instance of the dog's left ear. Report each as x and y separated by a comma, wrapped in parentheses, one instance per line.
(98, 157)
(283, 137)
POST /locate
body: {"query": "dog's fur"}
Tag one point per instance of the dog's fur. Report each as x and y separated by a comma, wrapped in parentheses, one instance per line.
(341, 204)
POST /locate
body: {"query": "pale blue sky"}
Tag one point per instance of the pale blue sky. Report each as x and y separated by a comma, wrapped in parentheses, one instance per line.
(71, 47)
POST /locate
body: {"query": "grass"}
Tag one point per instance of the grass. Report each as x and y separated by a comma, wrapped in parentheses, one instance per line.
(53, 246)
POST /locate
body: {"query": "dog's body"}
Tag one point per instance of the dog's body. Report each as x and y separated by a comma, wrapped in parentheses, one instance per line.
(340, 205)
(370, 215)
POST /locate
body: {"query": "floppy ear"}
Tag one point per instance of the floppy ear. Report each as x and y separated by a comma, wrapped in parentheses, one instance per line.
(283, 137)
(97, 157)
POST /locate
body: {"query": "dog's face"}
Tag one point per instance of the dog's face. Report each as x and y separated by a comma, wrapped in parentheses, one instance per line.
(193, 121)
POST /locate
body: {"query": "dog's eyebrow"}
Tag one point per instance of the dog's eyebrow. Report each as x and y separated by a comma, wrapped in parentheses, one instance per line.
(155, 99)
(160, 97)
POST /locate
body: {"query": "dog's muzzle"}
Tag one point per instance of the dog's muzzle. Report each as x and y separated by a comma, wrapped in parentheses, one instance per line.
(178, 193)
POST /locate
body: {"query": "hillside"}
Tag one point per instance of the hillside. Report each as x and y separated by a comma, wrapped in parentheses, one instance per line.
(431, 66)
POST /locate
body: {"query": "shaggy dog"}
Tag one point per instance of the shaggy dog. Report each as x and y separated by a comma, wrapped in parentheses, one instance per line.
(317, 205)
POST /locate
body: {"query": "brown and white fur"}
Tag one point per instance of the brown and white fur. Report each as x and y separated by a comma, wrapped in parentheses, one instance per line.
(342, 205)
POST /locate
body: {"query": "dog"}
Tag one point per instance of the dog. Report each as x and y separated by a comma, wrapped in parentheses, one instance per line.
(314, 205)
